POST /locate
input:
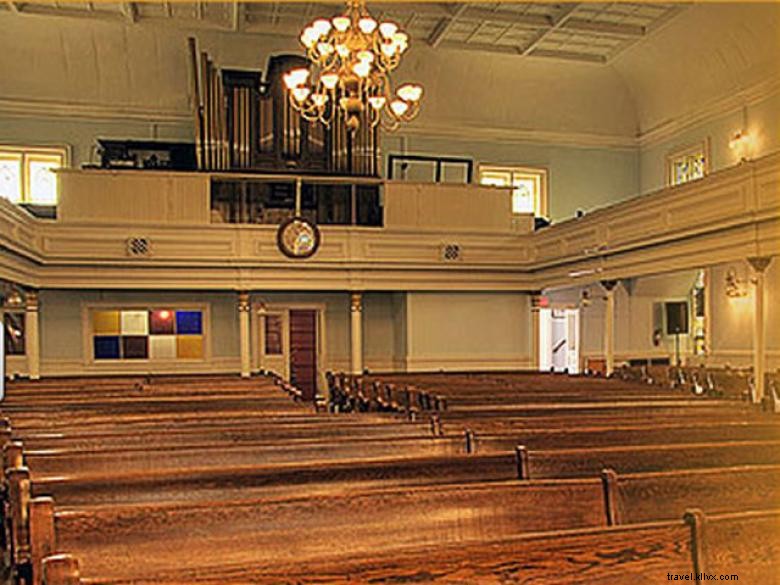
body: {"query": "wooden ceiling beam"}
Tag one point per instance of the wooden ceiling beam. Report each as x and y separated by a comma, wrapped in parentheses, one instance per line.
(560, 19)
(605, 28)
(445, 24)
(507, 17)
(568, 56)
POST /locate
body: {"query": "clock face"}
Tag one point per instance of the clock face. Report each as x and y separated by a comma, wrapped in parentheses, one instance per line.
(298, 238)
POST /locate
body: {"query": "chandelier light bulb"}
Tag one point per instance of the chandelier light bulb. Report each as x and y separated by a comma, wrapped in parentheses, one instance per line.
(367, 25)
(366, 56)
(309, 37)
(341, 23)
(388, 49)
(325, 49)
(321, 26)
(329, 80)
(342, 50)
(399, 107)
(362, 68)
(410, 92)
(377, 102)
(295, 78)
(388, 29)
(401, 40)
(300, 93)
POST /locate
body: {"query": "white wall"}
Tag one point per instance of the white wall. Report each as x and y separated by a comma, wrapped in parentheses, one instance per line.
(468, 331)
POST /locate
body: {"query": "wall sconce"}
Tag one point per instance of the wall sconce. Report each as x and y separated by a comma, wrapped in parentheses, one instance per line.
(735, 287)
(741, 143)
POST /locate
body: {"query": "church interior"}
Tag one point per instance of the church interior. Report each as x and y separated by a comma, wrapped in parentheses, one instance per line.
(389, 292)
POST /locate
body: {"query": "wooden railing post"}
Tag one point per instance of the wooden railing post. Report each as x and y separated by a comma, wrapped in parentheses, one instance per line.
(61, 570)
(695, 518)
(609, 483)
(471, 441)
(42, 543)
(18, 479)
(521, 460)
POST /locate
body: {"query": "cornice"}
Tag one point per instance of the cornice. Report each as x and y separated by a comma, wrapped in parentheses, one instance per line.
(710, 111)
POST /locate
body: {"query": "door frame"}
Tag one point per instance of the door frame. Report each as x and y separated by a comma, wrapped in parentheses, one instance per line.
(259, 309)
(545, 335)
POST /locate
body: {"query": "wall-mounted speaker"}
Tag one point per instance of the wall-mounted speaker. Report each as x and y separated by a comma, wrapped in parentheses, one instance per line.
(676, 317)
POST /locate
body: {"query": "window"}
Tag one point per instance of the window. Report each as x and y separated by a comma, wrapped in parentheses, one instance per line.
(687, 164)
(13, 330)
(156, 334)
(273, 335)
(529, 186)
(26, 174)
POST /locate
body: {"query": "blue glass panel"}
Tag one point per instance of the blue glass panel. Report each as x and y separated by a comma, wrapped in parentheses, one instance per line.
(106, 347)
(189, 322)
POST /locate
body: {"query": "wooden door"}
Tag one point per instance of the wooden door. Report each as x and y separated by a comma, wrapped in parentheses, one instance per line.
(303, 351)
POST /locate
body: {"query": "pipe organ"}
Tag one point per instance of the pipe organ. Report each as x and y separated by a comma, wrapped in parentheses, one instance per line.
(244, 121)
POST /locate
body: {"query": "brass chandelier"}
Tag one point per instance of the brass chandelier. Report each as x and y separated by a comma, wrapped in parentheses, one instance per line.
(352, 56)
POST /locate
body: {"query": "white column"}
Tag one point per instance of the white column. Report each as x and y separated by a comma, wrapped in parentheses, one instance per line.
(356, 325)
(609, 325)
(244, 329)
(759, 265)
(32, 338)
(535, 349)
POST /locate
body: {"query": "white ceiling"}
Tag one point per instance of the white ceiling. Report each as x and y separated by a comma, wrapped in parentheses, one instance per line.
(583, 32)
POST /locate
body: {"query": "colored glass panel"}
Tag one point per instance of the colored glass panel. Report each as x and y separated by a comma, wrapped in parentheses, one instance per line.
(135, 323)
(189, 346)
(105, 322)
(161, 322)
(106, 347)
(189, 322)
(162, 347)
(135, 347)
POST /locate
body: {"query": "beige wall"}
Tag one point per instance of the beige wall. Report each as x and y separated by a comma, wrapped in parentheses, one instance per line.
(468, 331)
(64, 350)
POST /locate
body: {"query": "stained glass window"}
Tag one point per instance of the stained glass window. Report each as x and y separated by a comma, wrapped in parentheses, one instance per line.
(147, 334)
(529, 187)
(688, 164)
(26, 174)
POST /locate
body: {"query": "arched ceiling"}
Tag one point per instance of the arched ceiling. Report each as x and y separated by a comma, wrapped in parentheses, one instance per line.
(587, 73)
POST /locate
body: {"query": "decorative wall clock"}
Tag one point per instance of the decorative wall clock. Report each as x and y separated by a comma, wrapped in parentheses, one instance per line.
(298, 238)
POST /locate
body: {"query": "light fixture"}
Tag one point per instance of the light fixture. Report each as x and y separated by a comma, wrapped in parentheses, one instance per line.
(352, 56)
(735, 287)
(740, 143)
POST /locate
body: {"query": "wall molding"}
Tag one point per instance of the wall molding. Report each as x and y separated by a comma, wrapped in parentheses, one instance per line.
(710, 111)
(33, 108)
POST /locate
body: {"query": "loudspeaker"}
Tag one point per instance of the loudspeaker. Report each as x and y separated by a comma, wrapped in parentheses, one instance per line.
(676, 318)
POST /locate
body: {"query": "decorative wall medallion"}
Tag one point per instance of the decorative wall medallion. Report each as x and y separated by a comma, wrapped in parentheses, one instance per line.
(138, 246)
(298, 238)
(451, 252)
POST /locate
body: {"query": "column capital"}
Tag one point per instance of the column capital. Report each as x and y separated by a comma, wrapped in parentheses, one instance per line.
(609, 285)
(31, 301)
(356, 302)
(243, 302)
(759, 263)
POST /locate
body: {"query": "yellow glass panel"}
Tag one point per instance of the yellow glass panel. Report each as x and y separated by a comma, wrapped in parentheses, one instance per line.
(189, 347)
(105, 322)
(11, 176)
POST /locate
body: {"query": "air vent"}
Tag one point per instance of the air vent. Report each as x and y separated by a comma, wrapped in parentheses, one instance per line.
(138, 247)
(451, 253)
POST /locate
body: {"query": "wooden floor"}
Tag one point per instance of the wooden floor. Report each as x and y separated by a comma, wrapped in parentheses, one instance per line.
(500, 478)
